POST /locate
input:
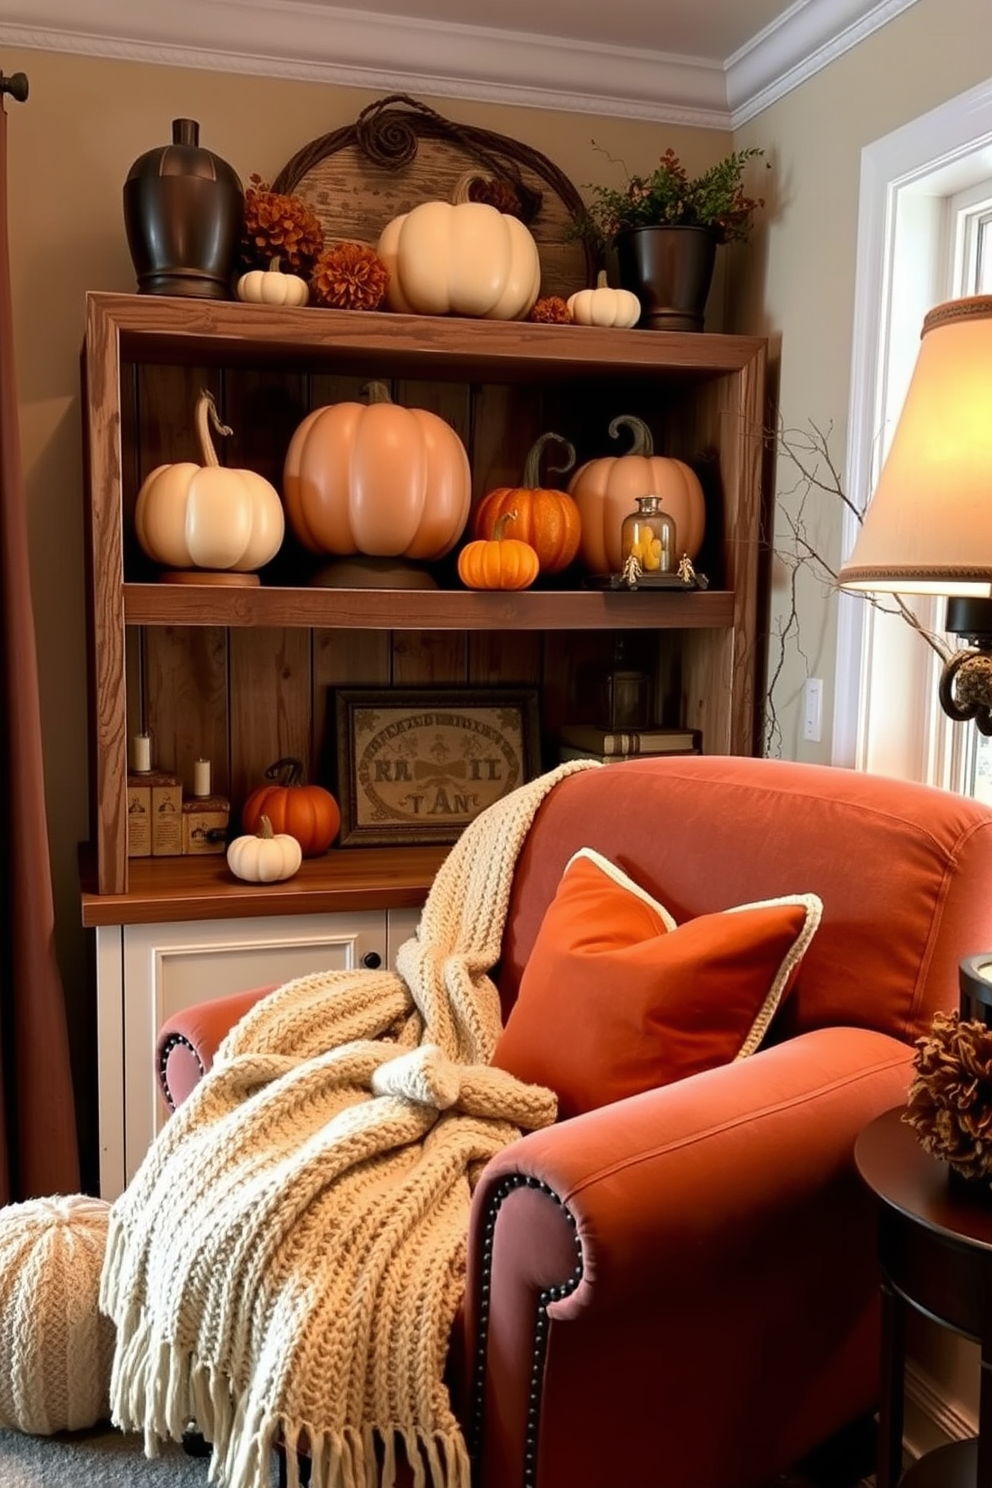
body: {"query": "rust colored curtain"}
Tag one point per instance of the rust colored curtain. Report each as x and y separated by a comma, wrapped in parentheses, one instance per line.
(38, 1152)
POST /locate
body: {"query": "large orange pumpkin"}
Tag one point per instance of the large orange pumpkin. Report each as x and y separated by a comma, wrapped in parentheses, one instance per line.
(606, 490)
(307, 812)
(378, 479)
(547, 520)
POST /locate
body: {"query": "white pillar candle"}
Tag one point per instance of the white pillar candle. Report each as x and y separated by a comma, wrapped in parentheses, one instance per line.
(201, 777)
(141, 753)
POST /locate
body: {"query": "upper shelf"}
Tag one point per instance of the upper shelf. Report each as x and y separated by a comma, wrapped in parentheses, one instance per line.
(427, 609)
(157, 328)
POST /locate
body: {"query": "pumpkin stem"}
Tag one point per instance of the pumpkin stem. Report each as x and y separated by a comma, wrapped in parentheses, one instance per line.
(464, 184)
(275, 265)
(501, 523)
(643, 441)
(377, 392)
(532, 464)
(206, 414)
(602, 282)
(288, 771)
(264, 828)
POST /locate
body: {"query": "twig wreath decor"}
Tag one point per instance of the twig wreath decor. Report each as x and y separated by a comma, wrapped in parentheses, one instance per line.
(949, 1104)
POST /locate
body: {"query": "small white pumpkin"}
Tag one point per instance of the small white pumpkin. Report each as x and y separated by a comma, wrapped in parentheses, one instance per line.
(265, 857)
(208, 516)
(461, 257)
(272, 287)
(603, 306)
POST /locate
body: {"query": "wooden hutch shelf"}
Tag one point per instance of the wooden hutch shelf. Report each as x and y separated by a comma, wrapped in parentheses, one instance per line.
(245, 675)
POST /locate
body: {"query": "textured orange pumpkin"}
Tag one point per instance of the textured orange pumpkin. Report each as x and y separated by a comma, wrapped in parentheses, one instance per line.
(378, 479)
(498, 562)
(546, 519)
(606, 490)
(307, 812)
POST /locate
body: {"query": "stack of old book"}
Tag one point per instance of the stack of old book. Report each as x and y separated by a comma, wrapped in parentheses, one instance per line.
(586, 741)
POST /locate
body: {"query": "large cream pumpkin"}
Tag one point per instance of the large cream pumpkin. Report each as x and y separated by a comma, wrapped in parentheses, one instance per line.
(208, 516)
(460, 258)
(606, 490)
(378, 479)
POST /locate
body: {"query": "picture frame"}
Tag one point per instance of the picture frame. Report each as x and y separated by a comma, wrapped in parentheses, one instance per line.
(416, 765)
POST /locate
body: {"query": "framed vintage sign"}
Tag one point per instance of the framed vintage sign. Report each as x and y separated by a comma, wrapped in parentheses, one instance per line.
(416, 765)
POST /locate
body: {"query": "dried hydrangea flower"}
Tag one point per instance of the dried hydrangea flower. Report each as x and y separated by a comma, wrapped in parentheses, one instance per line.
(950, 1099)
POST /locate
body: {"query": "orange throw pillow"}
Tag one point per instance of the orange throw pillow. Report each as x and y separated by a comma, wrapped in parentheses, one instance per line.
(616, 998)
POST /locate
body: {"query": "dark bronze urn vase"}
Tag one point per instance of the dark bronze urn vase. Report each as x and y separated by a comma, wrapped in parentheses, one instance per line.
(184, 213)
(670, 269)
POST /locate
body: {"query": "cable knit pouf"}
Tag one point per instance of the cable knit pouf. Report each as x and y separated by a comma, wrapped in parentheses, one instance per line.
(56, 1348)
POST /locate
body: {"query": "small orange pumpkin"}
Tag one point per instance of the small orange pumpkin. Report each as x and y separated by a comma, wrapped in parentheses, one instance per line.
(307, 812)
(498, 562)
(606, 491)
(546, 519)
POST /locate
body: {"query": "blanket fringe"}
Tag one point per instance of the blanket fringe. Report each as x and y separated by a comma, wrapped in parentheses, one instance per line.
(369, 1457)
(160, 1389)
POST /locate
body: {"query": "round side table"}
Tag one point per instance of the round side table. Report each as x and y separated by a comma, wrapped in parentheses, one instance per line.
(935, 1254)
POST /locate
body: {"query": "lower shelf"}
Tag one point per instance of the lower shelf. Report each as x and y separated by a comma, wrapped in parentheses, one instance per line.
(161, 890)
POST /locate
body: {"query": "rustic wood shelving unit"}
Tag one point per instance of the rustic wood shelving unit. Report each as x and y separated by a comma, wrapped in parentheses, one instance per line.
(244, 676)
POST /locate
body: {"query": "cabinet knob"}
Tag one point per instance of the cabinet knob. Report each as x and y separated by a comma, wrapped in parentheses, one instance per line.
(371, 959)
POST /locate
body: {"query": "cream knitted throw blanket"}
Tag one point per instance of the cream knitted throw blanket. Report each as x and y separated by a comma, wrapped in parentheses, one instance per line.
(289, 1258)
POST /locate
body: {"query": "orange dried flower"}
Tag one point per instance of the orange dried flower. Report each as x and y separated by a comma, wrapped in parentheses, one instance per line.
(552, 310)
(950, 1099)
(279, 226)
(350, 276)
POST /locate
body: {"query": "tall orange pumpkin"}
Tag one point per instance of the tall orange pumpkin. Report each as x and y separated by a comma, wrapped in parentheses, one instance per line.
(546, 519)
(307, 812)
(378, 479)
(606, 490)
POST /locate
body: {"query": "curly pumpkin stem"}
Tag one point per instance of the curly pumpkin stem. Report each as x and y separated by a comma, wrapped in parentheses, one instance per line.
(206, 414)
(532, 464)
(643, 441)
(463, 186)
(288, 771)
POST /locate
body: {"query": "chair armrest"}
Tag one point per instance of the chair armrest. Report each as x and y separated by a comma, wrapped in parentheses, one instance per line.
(187, 1042)
(726, 1206)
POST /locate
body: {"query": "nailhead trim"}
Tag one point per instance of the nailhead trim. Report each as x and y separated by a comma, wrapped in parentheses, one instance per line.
(547, 1294)
(174, 1041)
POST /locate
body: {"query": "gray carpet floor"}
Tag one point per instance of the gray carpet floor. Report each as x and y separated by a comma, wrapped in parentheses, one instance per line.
(101, 1458)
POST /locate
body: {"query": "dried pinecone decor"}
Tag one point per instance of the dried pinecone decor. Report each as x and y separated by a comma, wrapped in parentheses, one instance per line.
(552, 310)
(279, 226)
(349, 276)
(950, 1099)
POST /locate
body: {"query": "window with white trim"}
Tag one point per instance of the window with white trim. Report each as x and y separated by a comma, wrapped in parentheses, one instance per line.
(925, 235)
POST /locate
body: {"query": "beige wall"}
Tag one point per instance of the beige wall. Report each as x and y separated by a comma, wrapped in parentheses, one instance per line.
(796, 281)
(70, 148)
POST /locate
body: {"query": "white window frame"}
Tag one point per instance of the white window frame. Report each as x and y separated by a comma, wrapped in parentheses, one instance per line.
(886, 716)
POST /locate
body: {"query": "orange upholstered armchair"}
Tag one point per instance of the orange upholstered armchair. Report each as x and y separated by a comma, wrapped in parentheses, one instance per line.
(678, 1288)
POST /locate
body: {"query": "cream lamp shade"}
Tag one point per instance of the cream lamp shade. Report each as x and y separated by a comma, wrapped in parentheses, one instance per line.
(928, 527)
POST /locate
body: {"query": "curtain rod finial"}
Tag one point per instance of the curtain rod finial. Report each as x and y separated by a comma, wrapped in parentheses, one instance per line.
(16, 85)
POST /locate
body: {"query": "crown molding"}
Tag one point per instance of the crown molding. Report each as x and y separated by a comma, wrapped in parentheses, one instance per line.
(804, 39)
(314, 42)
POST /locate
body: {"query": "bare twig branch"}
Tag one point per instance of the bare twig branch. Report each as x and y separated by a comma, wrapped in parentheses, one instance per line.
(807, 452)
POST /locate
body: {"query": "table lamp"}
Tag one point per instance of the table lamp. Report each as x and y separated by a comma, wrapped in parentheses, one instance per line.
(928, 527)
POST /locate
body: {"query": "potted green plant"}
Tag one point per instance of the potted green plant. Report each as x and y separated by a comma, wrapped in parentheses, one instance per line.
(666, 228)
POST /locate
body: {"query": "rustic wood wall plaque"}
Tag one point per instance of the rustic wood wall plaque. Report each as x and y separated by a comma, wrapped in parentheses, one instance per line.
(399, 153)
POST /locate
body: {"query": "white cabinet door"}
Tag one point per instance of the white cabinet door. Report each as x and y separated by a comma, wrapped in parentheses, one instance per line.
(145, 973)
